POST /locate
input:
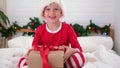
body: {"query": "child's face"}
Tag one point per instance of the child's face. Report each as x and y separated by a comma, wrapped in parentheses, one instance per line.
(52, 12)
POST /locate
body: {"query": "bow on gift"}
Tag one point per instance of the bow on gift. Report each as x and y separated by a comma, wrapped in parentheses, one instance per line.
(44, 51)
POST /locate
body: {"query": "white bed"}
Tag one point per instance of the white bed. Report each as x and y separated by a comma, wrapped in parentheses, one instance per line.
(97, 50)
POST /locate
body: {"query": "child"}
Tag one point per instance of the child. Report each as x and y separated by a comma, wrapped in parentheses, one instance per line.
(59, 34)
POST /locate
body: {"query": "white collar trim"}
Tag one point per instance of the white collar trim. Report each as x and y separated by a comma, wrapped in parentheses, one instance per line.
(55, 30)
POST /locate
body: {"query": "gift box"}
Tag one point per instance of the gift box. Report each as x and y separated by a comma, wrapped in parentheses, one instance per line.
(55, 59)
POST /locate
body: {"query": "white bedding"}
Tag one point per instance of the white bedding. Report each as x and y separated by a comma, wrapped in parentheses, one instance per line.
(97, 50)
(101, 58)
(9, 57)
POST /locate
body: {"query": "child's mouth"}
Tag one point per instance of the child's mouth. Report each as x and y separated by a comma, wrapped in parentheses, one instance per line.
(52, 17)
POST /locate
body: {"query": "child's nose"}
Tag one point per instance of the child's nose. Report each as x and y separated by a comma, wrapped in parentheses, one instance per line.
(52, 11)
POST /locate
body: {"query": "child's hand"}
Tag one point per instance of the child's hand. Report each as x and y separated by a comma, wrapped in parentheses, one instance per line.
(62, 47)
(27, 54)
(69, 52)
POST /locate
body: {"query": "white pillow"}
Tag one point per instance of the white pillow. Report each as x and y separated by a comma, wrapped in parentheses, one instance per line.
(21, 42)
(90, 43)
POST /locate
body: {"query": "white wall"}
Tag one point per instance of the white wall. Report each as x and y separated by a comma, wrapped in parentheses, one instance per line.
(81, 11)
(22, 10)
(117, 26)
(78, 11)
(1, 4)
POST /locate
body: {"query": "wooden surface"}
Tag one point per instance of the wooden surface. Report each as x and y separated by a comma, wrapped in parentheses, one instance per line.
(26, 30)
(111, 34)
(2, 43)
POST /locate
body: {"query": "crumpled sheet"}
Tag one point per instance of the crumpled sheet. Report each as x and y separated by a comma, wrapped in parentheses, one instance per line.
(102, 58)
(9, 57)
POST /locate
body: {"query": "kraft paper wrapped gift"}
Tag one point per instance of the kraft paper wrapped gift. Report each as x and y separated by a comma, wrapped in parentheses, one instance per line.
(55, 59)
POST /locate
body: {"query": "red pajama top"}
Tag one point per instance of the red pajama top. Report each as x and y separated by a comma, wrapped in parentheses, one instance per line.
(65, 36)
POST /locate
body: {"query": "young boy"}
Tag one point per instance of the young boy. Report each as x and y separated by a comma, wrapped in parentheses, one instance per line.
(59, 34)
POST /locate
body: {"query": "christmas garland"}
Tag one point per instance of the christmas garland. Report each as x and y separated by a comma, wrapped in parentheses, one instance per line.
(92, 27)
(35, 22)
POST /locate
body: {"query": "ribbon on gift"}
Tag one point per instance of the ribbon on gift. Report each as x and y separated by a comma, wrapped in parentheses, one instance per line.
(44, 51)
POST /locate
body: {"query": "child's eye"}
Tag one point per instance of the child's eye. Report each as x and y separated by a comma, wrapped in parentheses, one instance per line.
(56, 9)
(48, 9)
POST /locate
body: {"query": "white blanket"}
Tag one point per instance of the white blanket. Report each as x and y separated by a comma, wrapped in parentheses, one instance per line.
(101, 58)
(9, 57)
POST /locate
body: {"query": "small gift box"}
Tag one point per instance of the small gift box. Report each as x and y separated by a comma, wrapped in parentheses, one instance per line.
(55, 59)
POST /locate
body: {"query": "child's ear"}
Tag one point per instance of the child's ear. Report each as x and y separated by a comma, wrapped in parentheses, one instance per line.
(43, 15)
(61, 14)
(43, 12)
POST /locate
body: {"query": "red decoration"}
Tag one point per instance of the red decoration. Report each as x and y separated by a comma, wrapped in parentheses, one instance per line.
(78, 34)
(32, 23)
(92, 28)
